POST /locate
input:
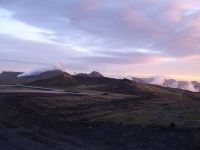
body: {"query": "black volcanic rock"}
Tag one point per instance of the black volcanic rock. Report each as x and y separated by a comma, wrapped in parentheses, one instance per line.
(7, 77)
(87, 80)
(121, 86)
(43, 75)
(105, 84)
(95, 74)
(140, 80)
(92, 74)
(148, 80)
(196, 85)
(97, 81)
(49, 78)
(82, 74)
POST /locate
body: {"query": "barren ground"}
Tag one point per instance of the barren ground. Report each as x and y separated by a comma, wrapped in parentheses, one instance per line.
(97, 122)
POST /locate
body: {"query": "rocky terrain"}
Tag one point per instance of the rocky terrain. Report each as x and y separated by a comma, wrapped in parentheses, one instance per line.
(101, 122)
(55, 110)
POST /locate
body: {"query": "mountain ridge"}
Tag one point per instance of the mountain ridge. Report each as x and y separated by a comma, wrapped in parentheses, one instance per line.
(64, 80)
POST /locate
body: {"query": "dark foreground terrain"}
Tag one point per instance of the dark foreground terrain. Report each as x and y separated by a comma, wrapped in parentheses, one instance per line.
(44, 121)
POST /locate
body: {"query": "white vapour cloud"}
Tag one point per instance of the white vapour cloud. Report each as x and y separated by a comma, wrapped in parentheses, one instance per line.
(159, 80)
(34, 72)
(174, 85)
(191, 87)
(186, 85)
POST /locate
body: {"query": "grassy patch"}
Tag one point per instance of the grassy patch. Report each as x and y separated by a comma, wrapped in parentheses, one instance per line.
(191, 115)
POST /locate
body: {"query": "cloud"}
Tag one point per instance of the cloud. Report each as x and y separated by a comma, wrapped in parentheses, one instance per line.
(11, 26)
(98, 32)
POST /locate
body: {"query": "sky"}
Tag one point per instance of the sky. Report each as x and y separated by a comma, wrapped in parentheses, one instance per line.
(118, 38)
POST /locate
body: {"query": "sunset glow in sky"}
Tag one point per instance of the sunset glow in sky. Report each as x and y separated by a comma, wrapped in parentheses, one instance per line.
(115, 37)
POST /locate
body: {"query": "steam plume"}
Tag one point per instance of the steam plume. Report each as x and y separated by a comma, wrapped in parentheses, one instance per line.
(34, 72)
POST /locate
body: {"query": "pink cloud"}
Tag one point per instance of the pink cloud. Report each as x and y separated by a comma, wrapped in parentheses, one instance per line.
(192, 57)
(135, 19)
(91, 5)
